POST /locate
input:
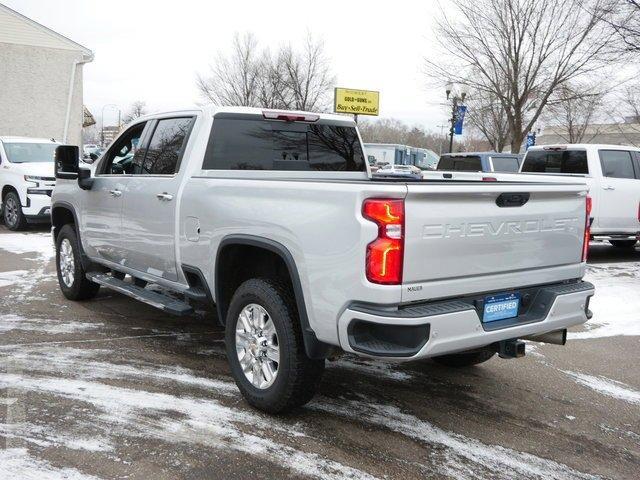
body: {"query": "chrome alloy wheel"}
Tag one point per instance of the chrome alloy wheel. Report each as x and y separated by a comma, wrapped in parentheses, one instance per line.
(67, 263)
(10, 211)
(257, 346)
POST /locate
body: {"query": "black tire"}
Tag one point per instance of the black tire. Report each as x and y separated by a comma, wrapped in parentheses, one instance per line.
(12, 214)
(298, 376)
(623, 243)
(80, 288)
(465, 359)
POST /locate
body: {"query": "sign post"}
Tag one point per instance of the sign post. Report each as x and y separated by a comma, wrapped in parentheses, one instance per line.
(357, 102)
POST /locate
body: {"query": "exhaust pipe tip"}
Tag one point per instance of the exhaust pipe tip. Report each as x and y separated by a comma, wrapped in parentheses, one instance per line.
(556, 337)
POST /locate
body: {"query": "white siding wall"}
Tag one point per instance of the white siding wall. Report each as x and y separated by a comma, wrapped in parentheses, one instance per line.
(34, 87)
(20, 30)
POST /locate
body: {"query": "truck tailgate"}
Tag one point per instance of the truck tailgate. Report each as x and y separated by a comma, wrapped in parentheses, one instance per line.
(470, 231)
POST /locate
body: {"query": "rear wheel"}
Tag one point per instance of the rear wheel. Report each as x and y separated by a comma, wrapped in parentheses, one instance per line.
(71, 274)
(14, 219)
(265, 348)
(465, 359)
(623, 243)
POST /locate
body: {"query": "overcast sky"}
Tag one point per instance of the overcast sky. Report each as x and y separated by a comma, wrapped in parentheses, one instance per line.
(151, 50)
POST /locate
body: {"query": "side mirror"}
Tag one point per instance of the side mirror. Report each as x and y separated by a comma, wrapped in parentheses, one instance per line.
(67, 159)
(93, 156)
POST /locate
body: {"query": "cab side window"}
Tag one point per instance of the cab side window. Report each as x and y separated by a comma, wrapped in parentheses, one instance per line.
(164, 153)
(617, 164)
(119, 160)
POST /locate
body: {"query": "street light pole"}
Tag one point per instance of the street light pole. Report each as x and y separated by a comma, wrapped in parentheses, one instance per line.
(455, 102)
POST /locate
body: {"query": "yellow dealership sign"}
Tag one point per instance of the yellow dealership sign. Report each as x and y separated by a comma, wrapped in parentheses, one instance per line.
(358, 102)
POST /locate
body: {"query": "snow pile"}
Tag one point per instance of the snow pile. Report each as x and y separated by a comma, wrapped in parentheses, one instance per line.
(616, 304)
(607, 386)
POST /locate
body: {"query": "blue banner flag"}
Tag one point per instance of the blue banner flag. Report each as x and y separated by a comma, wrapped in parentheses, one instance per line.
(531, 140)
(457, 128)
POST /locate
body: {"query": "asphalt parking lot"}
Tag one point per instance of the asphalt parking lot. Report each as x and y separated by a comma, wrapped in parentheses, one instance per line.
(112, 389)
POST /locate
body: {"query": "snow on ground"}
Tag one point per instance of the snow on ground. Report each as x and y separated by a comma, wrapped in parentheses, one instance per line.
(17, 322)
(460, 451)
(616, 304)
(16, 463)
(210, 418)
(376, 368)
(28, 243)
(607, 386)
(13, 277)
(37, 247)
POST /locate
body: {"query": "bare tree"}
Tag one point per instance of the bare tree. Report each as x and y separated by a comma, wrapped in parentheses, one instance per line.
(391, 130)
(235, 79)
(305, 76)
(136, 110)
(521, 51)
(573, 108)
(623, 16)
(290, 78)
(486, 115)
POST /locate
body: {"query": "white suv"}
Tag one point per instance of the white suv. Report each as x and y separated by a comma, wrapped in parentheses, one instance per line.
(613, 175)
(26, 180)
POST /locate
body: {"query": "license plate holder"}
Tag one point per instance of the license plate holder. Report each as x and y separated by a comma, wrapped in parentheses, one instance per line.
(500, 307)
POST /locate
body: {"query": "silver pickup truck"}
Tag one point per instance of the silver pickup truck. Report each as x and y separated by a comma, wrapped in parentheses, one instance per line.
(275, 219)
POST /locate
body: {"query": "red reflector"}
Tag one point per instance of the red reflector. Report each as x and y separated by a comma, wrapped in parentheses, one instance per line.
(290, 116)
(385, 254)
(587, 229)
(489, 179)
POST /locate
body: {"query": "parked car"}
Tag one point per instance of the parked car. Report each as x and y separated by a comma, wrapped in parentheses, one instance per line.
(26, 179)
(480, 162)
(275, 218)
(613, 175)
(400, 169)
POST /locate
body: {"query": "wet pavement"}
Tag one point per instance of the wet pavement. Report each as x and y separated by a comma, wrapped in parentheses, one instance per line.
(111, 389)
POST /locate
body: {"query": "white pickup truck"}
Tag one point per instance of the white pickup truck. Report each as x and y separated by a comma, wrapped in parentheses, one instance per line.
(26, 180)
(613, 175)
(276, 219)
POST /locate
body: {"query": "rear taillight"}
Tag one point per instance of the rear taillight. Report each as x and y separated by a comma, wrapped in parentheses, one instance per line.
(639, 211)
(587, 229)
(385, 254)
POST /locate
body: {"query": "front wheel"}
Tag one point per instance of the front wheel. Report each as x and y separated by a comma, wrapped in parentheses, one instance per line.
(71, 275)
(465, 359)
(265, 348)
(14, 219)
(623, 243)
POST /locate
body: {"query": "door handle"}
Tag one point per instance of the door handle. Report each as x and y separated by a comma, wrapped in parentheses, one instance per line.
(608, 187)
(167, 197)
(115, 193)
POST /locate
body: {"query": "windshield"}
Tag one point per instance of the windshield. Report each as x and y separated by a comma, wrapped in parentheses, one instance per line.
(30, 152)
(556, 161)
(470, 163)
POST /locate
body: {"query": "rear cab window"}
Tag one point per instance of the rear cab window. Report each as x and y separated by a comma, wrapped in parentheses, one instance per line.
(617, 164)
(505, 164)
(556, 161)
(249, 142)
(459, 163)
